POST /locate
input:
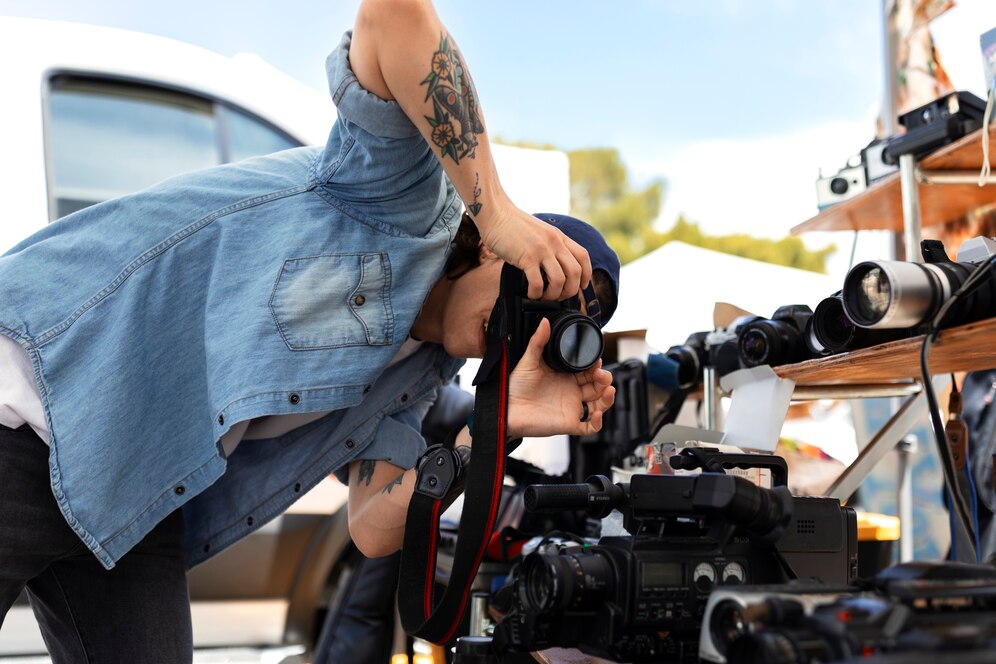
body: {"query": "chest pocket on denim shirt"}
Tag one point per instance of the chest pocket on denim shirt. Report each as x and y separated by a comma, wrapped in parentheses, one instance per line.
(334, 300)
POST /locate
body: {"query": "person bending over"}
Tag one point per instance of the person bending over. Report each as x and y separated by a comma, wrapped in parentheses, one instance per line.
(179, 365)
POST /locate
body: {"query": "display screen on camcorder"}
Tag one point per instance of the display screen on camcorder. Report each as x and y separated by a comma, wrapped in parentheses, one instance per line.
(661, 575)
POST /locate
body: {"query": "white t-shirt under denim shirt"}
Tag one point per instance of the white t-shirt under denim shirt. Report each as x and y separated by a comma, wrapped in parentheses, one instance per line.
(20, 402)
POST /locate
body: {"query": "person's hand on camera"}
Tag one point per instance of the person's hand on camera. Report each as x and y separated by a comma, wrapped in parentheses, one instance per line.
(544, 402)
(539, 250)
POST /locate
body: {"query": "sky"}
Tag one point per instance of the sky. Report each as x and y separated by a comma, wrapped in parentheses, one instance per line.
(736, 104)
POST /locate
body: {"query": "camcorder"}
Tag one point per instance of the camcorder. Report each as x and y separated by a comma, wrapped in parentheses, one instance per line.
(780, 339)
(898, 294)
(641, 597)
(912, 612)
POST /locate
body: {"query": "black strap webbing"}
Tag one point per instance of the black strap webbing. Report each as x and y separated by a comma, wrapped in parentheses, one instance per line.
(422, 614)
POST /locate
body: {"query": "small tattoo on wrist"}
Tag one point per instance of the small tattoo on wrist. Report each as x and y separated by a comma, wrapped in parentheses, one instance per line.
(475, 207)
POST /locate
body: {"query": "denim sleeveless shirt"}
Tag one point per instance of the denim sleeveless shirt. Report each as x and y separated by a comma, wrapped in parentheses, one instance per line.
(278, 285)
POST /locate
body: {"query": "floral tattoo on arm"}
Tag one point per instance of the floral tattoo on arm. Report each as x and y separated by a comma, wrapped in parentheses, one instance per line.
(456, 121)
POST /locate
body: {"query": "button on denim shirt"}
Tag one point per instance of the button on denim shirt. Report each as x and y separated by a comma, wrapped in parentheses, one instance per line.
(279, 285)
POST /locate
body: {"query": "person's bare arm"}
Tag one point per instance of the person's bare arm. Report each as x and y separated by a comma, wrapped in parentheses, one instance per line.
(400, 50)
(542, 402)
(379, 493)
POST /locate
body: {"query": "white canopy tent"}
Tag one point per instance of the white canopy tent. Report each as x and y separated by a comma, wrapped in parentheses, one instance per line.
(671, 292)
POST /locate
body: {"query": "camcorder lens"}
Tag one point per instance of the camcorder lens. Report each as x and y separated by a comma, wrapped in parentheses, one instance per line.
(556, 582)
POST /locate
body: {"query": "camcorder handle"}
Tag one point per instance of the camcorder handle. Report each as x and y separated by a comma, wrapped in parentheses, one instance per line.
(712, 460)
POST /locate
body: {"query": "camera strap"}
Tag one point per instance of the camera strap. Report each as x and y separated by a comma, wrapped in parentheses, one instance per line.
(423, 614)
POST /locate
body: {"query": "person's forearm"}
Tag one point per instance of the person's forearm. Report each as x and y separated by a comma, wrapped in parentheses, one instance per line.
(424, 71)
(377, 515)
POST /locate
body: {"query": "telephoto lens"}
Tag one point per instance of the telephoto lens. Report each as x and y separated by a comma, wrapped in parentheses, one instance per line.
(898, 294)
(776, 340)
(830, 331)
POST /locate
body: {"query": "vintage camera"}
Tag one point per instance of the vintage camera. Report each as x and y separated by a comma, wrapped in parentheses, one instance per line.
(899, 294)
(936, 124)
(717, 349)
(780, 339)
(575, 339)
(830, 331)
(847, 183)
(876, 162)
(641, 598)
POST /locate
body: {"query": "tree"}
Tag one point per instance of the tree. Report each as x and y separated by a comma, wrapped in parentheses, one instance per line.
(602, 194)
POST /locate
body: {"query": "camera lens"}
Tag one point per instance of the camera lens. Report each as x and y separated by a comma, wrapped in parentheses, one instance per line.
(727, 624)
(830, 329)
(838, 186)
(557, 582)
(876, 294)
(575, 343)
(896, 294)
(756, 345)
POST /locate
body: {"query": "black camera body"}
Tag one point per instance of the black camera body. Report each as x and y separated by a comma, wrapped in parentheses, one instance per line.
(780, 339)
(717, 349)
(575, 339)
(575, 342)
(641, 598)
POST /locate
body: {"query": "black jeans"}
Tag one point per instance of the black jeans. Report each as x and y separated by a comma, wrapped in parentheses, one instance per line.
(137, 612)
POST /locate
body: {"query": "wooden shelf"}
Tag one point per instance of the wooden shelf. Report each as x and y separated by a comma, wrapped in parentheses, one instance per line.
(969, 347)
(880, 207)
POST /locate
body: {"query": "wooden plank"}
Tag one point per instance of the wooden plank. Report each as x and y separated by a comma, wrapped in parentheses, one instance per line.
(880, 207)
(967, 348)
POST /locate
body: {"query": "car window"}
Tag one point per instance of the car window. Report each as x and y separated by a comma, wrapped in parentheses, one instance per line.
(107, 138)
(247, 137)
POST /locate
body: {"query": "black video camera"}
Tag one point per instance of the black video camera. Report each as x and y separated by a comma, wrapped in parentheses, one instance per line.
(641, 598)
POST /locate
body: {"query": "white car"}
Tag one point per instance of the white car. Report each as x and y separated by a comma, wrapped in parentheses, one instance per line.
(91, 113)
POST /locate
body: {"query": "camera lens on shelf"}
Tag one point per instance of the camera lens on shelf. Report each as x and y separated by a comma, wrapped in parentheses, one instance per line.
(898, 294)
(831, 331)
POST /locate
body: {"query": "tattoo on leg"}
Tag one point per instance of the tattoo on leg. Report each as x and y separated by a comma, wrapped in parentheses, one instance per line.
(367, 471)
(393, 483)
(475, 207)
(456, 121)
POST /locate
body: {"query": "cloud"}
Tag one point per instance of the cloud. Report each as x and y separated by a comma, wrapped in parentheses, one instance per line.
(759, 186)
